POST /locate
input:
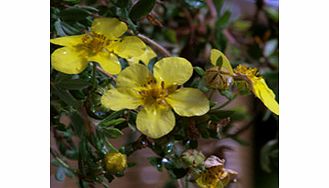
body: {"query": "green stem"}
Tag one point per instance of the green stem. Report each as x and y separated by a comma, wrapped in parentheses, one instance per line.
(224, 104)
(60, 161)
(111, 146)
(94, 76)
(186, 182)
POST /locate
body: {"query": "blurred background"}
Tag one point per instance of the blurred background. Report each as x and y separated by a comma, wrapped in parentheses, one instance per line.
(247, 31)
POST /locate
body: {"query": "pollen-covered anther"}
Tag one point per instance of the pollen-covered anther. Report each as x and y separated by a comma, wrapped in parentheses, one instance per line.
(95, 42)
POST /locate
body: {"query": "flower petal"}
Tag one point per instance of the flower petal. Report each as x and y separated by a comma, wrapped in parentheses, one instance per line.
(134, 76)
(68, 60)
(68, 40)
(173, 70)
(108, 61)
(121, 98)
(145, 57)
(265, 94)
(188, 102)
(215, 54)
(112, 28)
(155, 121)
(129, 47)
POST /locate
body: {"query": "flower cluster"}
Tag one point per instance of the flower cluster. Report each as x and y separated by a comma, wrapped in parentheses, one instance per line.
(158, 93)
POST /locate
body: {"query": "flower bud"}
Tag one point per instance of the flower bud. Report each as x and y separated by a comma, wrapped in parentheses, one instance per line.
(217, 79)
(193, 158)
(115, 162)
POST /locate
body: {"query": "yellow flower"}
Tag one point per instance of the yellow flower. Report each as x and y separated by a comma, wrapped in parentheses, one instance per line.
(115, 162)
(145, 57)
(157, 94)
(102, 45)
(259, 87)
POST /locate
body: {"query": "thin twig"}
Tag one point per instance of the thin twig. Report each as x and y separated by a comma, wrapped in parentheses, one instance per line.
(104, 72)
(212, 8)
(161, 49)
(241, 130)
(180, 183)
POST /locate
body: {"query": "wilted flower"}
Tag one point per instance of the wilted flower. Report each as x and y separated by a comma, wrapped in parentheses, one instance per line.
(102, 45)
(215, 174)
(258, 86)
(157, 94)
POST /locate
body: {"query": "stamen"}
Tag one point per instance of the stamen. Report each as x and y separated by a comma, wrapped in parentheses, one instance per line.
(95, 42)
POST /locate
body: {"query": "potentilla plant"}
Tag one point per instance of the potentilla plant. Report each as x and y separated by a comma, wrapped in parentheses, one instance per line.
(110, 79)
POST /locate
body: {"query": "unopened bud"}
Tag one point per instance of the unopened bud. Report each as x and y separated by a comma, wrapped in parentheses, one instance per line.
(115, 162)
(215, 78)
(193, 158)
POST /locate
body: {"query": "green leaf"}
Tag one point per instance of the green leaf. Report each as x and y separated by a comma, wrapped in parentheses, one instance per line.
(170, 35)
(73, 84)
(272, 13)
(89, 8)
(141, 8)
(65, 96)
(218, 5)
(219, 62)
(72, 1)
(131, 164)
(59, 29)
(70, 30)
(223, 20)
(199, 71)
(242, 25)
(112, 122)
(156, 162)
(77, 124)
(112, 132)
(227, 93)
(113, 115)
(74, 14)
(121, 3)
(267, 153)
(60, 174)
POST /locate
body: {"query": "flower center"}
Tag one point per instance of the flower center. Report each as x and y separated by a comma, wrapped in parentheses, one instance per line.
(154, 93)
(249, 72)
(95, 42)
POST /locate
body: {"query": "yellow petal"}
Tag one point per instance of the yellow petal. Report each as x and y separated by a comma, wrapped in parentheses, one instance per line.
(265, 94)
(147, 55)
(68, 60)
(108, 61)
(133, 76)
(68, 40)
(121, 98)
(112, 28)
(215, 54)
(188, 102)
(155, 121)
(173, 70)
(129, 47)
